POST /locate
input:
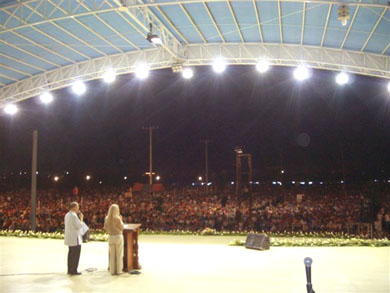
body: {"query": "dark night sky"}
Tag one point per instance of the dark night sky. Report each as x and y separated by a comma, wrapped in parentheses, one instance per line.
(100, 132)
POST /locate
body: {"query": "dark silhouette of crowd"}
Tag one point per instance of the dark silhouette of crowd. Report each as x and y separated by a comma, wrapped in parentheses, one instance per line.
(270, 208)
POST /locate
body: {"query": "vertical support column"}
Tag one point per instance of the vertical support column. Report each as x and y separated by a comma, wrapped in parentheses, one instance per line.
(34, 180)
(150, 156)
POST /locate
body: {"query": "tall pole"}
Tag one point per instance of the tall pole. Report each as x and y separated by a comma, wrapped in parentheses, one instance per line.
(34, 180)
(206, 145)
(150, 129)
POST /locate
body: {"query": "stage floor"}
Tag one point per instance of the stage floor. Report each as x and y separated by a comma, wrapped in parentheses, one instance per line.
(193, 264)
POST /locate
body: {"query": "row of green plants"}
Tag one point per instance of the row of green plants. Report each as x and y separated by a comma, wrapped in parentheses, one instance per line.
(277, 239)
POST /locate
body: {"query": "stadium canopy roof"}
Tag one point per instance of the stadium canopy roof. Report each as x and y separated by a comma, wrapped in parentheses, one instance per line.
(48, 44)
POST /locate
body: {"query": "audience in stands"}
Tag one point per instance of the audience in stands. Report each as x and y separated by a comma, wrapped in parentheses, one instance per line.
(271, 208)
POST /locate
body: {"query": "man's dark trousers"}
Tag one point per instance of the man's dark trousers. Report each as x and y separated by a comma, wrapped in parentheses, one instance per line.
(73, 258)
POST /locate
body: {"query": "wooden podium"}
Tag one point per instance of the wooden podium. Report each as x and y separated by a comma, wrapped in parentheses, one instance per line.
(130, 249)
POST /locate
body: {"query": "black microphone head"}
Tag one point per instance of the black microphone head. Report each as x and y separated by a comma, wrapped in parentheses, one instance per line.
(308, 261)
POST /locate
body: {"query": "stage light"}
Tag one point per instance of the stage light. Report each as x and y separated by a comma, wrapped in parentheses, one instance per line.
(79, 87)
(262, 66)
(219, 65)
(56, 178)
(109, 76)
(342, 78)
(46, 98)
(200, 178)
(10, 109)
(158, 178)
(100, 182)
(301, 73)
(388, 87)
(88, 177)
(152, 38)
(232, 183)
(282, 172)
(187, 73)
(125, 178)
(292, 182)
(142, 71)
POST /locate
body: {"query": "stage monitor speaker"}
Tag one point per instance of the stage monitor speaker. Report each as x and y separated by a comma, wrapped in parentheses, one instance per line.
(257, 241)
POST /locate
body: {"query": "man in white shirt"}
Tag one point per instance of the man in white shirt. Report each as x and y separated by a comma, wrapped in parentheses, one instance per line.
(73, 237)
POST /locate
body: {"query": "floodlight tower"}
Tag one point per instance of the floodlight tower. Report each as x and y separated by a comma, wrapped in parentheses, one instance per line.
(206, 145)
(240, 157)
(150, 129)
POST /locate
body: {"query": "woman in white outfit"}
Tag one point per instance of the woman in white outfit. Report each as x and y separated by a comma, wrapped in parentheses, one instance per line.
(114, 227)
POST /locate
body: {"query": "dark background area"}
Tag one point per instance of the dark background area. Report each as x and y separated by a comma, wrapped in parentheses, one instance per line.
(271, 116)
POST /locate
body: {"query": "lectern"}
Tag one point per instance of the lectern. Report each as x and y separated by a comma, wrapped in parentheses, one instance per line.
(130, 257)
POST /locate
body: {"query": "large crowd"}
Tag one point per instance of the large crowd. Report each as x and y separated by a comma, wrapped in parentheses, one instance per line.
(270, 208)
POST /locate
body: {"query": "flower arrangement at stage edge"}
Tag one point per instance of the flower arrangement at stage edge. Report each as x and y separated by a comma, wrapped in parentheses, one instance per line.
(208, 231)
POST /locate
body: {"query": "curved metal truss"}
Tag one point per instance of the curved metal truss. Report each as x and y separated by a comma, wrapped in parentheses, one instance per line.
(200, 54)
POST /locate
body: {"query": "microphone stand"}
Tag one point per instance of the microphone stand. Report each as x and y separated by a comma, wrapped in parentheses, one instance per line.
(309, 287)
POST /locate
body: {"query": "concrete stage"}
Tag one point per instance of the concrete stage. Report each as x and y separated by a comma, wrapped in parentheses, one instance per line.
(193, 264)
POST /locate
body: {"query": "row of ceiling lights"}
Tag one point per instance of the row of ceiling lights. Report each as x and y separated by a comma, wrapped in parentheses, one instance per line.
(301, 73)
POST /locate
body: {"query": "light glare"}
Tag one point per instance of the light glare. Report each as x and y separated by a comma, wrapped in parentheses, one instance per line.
(388, 87)
(79, 87)
(156, 40)
(219, 65)
(188, 73)
(109, 76)
(142, 71)
(262, 66)
(301, 73)
(342, 78)
(46, 98)
(10, 109)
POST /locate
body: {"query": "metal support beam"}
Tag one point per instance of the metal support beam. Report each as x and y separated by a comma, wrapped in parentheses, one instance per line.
(167, 19)
(213, 21)
(258, 21)
(280, 22)
(373, 30)
(235, 21)
(373, 3)
(326, 25)
(193, 23)
(303, 22)
(201, 54)
(350, 27)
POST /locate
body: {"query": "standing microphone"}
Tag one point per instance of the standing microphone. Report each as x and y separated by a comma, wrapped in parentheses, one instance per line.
(308, 261)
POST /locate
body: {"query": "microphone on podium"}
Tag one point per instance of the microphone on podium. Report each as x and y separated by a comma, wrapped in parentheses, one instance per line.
(308, 261)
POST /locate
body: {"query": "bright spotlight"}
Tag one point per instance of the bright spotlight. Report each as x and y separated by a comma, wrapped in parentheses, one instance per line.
(187, 73)
(10, 109)
(301, 73)
(56, 178)
(142, 71)
(200, 178)
(158, 178)
(109, 76)
(342, 78)
(219, 65)
(88, 177)
(79, 87)
(46, 98)
(262, 66)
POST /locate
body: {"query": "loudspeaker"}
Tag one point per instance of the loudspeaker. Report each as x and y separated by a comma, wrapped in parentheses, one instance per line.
(257, 241)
